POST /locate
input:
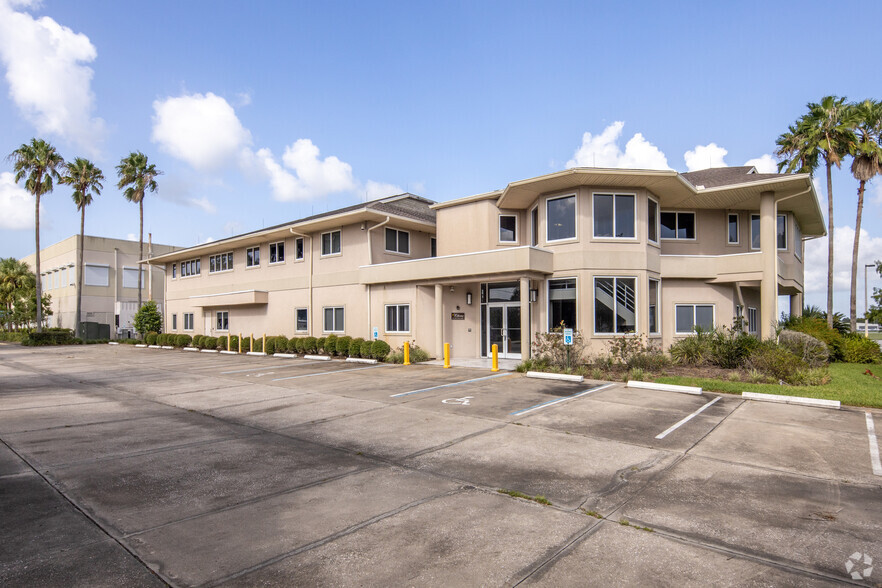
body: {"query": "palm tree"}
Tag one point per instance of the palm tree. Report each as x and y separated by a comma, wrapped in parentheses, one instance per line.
(797, 155)
(16, 278)
(867, 163)
(85, 178)
(39, 163)
(137, 177)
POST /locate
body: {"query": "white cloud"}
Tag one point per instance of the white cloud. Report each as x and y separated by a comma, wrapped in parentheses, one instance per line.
(203, 204)
(704, 157)
(232, 228)
(48, 78)
(207, 240)
(200, 129)
(766, 164)
(310, 176)
(374, 190)
(16, 203)
(603, 151)
(816, 267)
(131, 237)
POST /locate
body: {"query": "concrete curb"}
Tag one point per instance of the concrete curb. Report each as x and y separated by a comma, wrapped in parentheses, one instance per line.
(665, 387)
(163, 347)
(191, 349)
(109, 342)
(138, 345)
(551, 376)
(318, 357)
(229, 352)
(801, 400)
(150, 346)
(352, 359)
(288, 355)
(252, 352)
(208, 351)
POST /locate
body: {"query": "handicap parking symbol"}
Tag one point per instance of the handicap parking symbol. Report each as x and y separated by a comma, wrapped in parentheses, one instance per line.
(464, 401)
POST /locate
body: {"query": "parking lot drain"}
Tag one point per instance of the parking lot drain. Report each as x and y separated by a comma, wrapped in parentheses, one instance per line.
(552, 376)
(816, 402)
(664, 387)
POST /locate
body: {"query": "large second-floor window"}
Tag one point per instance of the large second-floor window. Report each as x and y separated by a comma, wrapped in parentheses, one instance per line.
(615, 305)
(298, 248)
(221, 262)
(397, 241)
(252, 257)
(652, 220)
(560, 218)
(734, 233)
(191, 268)
(130, 278)
(782, 231)
(678, 225)
(331, 243)
(96, 275)
(614, 216)
(277, 252)
(797, 240)
(508, 228)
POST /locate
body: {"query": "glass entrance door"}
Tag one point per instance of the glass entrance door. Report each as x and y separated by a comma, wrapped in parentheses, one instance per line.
(504, 329)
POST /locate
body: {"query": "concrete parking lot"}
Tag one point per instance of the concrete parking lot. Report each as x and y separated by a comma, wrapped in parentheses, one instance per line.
(124, 466)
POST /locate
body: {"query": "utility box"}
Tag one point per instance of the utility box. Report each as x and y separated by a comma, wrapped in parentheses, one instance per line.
(93, 330)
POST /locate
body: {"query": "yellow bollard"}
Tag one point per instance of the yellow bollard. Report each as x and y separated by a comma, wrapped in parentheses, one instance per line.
(447, 355)
(406, 350)
(263, 345)
(229, 337)
(495, 365)
(240, 342)
(251, 343)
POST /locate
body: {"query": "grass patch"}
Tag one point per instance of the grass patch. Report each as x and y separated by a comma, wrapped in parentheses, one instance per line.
(848, 384)
(627, 523)
(516, 494)
(592, 513)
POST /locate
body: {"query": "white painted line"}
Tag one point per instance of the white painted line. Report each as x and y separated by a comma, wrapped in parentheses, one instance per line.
(370, 367)
(553, 376)
(446, 385)
(318, 357)
(816, 402)
(664, 387)
(349, 359)
(559, 400)
(874, 446)
(257, 369)
(686, 420)
(252, 352)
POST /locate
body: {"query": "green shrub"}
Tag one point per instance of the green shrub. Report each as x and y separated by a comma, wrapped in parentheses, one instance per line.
(692, 350)
(417, 354)
(379, 350)
(270, 345)
(281, 344)
(330, 345)
(817, 328)
(550, 347)
(210, 343)
(148, 319)
(150, 339)
(730, 347)
(355, 347)
(319, 345)
(53, 336)
(309, 345)
(294, 344)
(813, 351)
(778, 363)
(14, 336)
(197, 341)
(366, 349)
(858, 349)
(342, 346)
(182, 340)
(257, 344)
(246, 344)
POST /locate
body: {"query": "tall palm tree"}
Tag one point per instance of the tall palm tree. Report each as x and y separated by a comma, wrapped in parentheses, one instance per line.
(38, 161)
(16, 278)
(866, 164)
(794, 150)
(137, 177)
(85, 178)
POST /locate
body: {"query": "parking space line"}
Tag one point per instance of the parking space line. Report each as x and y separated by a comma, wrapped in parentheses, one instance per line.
(370, 367)
(564, 399)
(874, 445)
(687, 419)
(257, 369)
(447, 385)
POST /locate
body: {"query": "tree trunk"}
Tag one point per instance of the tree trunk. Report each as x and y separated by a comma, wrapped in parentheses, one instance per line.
(141, 247)
(854, 256)
(829, 244)
(81, 244)
(39, 280)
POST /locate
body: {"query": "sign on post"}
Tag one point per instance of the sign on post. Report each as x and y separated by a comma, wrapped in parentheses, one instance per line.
(568, 336)
(376, 333)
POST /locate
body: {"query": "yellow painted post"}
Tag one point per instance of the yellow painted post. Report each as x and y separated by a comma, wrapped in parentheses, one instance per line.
(263, 346)
(406, 351)
(251, 343)
(240, 342)
(447, 355)
(495, 365)
(229, 337)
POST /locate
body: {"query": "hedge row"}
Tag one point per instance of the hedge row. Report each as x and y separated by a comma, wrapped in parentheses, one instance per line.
(331, 345)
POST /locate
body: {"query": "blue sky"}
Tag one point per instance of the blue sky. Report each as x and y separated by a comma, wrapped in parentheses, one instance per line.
(263, 114)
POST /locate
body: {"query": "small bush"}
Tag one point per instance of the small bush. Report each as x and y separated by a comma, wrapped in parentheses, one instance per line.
(310, 345)
(209, 343)
(813, 351)
(692, 350)
(342, 346)
(330, 345)
(150, 339)
(197, 341)
(817, 328)
(778, 363)
(270, 345)
(355, 347)
(550, 346)
(858, 349)
(417, 354)
(295, 345)
(366, 349)
(379, 350)
(14, 336)
(182, 340)
(319, 345)
(54, 336)
(257, 344)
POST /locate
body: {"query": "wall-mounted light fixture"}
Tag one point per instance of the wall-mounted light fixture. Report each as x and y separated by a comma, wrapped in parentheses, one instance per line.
(468, 298)
(534, 295)
(451, 289)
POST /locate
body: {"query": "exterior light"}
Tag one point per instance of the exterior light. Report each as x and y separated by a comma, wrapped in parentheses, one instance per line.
(469, 298)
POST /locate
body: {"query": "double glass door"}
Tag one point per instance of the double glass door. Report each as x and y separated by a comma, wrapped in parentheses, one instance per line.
(504, 329)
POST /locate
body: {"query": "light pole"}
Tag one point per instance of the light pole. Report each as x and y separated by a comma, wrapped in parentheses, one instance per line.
(866, 302)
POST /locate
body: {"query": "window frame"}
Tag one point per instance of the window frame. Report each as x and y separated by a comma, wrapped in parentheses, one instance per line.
(227, 255)
(614, 195)
(694, 306)
(275, 246)
(192, 321)
(658, 314)
(433, 246)
(615, 332)
(93, 285)
(397, 307)
(217, 323)
(249, 253)
(656, 223)
(499, 229)
(575, 236)
(302, 242)
(737, 240)
(548, 326)
(174, 321)
(797, 240)
(397, 250)
(534, 225)
(759, 232)
(752, 319)
(174, 275)
(334, 329)
(297, 310)
(330, 234)
(778, 217)
(677, 228)
(192, 270)
(134, 269)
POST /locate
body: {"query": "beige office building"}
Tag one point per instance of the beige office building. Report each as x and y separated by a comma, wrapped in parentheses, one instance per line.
(110, 281)
(609, 252)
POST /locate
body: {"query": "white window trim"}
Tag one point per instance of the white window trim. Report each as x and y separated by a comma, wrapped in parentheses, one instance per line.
(254, 265)
(548, 326)
(303, 257)
(658, 307)
(737, 228)
(386, 318)
(306, 330)
(575, 219)
(174, 272)
(343, 330)
(143, 278)
(752, 248)
(636, 305)
(269, 256)
(755, 320)
(657, 221)
(193, 275)
(786, 232)
(174, 321)
(392, 251)
(534, 231)
(678, 212)
(614, 238)
(693, 305)
(499, 228)
(219, 271)
(217, 312)
(192, 320)
(86, 265)
(797, 240)
(332, 254)
(431, 240)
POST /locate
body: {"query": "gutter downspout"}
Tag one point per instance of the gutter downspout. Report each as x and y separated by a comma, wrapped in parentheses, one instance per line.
(806, 191)
(371, 262)
(116, 287)
(310, 317)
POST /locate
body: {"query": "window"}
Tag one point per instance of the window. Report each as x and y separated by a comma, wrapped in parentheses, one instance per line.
(130, 278)
(562, 303)
(188, 321)
(222, 322)
(252, 257)
(615, 305)
(751, 320)
(174, 322)
(614, 216)
(433, 247)
(534, 226)
(560, 218)
(57, 278)
(63, 278)
(508, 228)
(191, 268)
(678, 225)
(333, 319)
(301, 317)
(73, 276)
(96, 275)
(653, 307)
(223, 262)
(782, 231)
(398, 318)
(797, 240)
(734, 233)
(754, 231)
(652, 220)
(277, 252)
(174, 271)
(694, 316)
(331, 243)
(397, 241)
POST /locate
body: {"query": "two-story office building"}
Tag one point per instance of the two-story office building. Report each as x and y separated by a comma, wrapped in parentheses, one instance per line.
(609, 252)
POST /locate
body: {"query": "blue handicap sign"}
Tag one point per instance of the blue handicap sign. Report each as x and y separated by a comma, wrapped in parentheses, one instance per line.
(376, 332)
(568, 336)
